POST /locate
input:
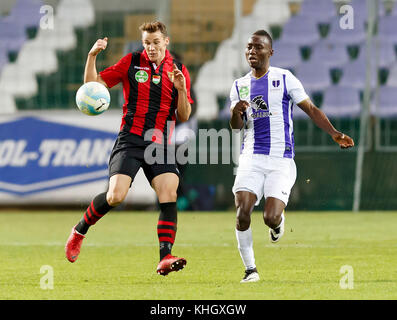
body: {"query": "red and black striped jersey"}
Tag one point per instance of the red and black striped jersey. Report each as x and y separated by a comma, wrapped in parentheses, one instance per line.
(149, 93)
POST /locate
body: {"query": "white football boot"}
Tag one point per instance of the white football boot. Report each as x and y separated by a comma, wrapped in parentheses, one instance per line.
(250, 276)
(276, 234)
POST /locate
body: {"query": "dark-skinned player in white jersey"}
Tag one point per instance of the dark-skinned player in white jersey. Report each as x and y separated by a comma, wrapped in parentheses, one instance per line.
(261, 103)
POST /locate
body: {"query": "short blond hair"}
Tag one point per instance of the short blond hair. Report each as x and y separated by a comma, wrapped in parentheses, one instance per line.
(154, 26)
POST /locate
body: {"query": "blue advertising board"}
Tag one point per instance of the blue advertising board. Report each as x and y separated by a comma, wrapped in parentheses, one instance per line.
(38, 155)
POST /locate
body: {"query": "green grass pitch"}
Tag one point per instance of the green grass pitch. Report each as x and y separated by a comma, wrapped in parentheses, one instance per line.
(120, 254)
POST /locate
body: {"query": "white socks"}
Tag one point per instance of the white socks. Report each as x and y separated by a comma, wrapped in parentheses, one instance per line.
(245, 246)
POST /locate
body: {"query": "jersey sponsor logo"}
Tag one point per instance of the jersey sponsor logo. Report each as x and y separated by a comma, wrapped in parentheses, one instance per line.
(38, 155)
(156, 79)
(141, 76)
(244, 92)
(141, 68)
(260, 108)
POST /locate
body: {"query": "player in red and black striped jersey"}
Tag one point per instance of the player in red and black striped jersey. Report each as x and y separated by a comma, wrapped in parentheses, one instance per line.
(156, 90)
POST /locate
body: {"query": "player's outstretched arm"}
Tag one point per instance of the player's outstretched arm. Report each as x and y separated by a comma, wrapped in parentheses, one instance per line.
(236, 120)
(322, 121)
(90, 72)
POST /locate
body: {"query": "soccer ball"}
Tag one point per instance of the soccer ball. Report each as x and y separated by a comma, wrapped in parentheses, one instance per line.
(93, 98)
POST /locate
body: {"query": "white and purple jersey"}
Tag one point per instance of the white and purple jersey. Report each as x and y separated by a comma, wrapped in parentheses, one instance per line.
(268, 120)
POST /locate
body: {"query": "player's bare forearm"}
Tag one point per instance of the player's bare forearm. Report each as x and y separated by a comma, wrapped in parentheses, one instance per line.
(184, 108)
(90, 72)
(318, 117)
(322, 121)
(236, 122)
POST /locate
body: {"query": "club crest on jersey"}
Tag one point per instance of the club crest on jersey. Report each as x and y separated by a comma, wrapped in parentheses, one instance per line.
(276, 83)
(156, 79)
(260, 108)
(141, 76)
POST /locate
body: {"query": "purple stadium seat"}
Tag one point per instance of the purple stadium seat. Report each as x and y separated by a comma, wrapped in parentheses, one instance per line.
(302, 33)
(387, 107)
(27, 12)
(387, 29)
(386, 54)
(341, 102)
(346, 37)
(286, 55)
(331, 54)
(322, 11)
(392, 78)
(27, 5)
(361, 9)
(314, 76)
(12, 34)
(354, 74)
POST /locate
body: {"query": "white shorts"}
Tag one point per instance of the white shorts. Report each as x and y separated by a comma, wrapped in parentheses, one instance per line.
(266, 176)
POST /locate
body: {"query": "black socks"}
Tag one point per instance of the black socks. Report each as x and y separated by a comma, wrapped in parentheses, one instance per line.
(166, 227)
(96, 210)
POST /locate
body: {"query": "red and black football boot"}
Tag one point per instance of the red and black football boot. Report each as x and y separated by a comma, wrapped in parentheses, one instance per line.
(73, 245)
(170, 263)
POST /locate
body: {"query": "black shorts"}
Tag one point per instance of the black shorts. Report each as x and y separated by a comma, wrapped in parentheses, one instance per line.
(128, 155)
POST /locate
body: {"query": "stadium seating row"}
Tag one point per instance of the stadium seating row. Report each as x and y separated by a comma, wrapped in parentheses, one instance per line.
(334, 51)
(24, 16)
(36, 55)
(333, 55)
(346, 102)
(329, 60)
(216, 76)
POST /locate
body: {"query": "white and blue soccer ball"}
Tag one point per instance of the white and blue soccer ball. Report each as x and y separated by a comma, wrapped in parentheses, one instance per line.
(93, 98)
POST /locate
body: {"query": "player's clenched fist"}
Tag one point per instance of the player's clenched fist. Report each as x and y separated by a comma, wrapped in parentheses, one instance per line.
(99, 45)
(240, 107)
